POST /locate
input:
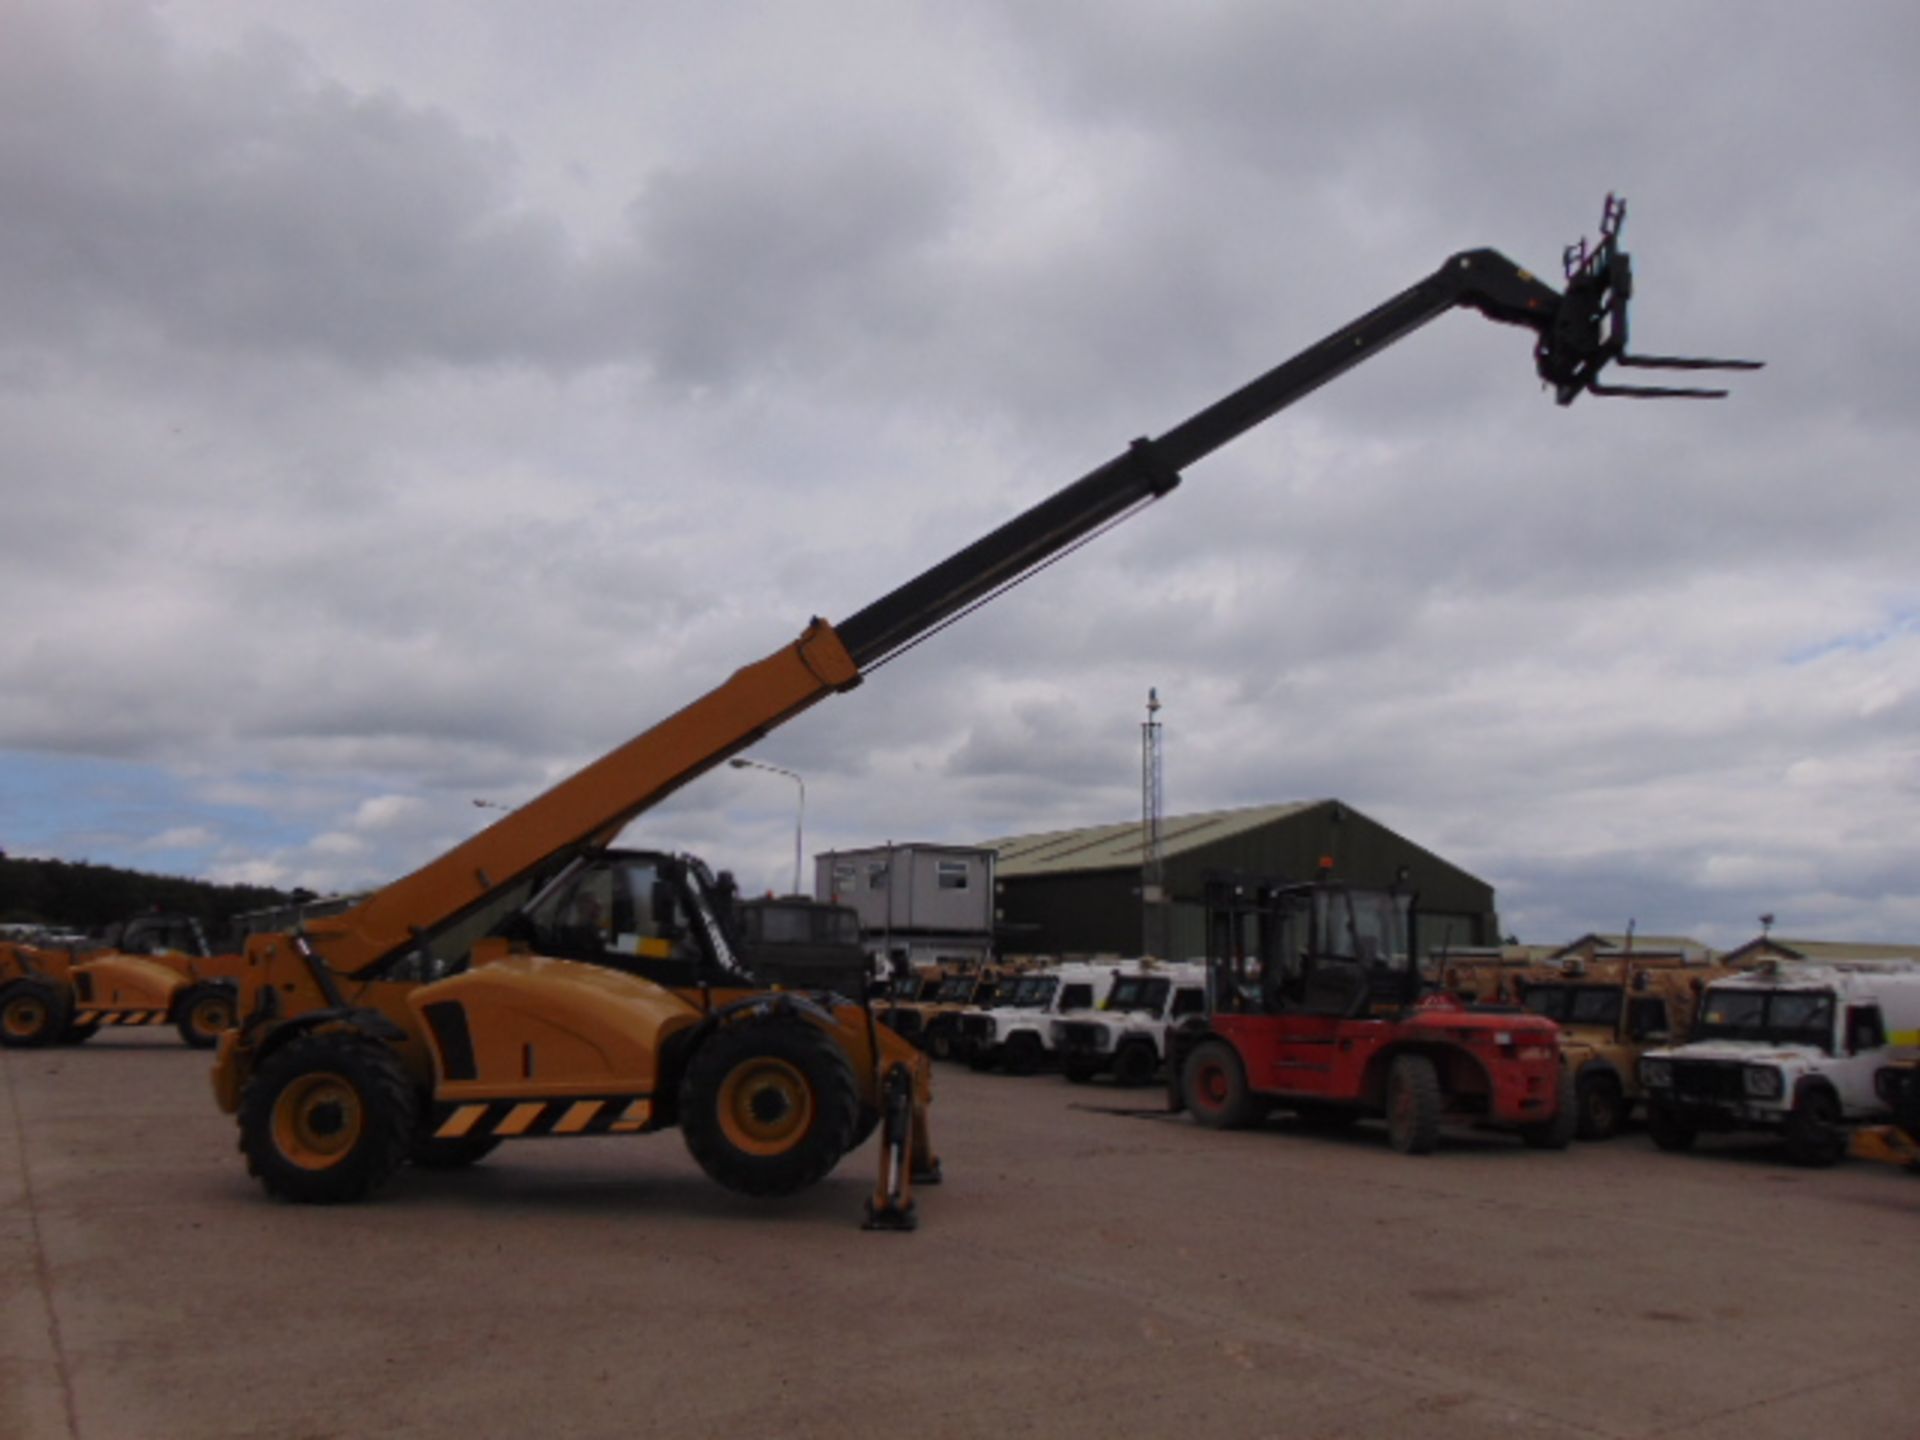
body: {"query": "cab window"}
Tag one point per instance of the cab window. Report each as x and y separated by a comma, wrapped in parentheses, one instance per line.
(1864, 1028)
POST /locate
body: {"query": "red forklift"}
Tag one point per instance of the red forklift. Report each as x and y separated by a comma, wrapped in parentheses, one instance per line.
(1317, 1004)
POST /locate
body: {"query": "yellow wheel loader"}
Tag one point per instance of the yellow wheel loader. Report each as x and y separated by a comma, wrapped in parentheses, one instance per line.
(450, 1010)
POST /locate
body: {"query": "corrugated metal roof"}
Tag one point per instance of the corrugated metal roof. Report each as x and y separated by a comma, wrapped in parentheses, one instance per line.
(1844, 949)
(1115, 847)
(1684, 944)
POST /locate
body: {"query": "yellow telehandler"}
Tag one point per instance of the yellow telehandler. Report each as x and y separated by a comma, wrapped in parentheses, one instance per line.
(451, 1010)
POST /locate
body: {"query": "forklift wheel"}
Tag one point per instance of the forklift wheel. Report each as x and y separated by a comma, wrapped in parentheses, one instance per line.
(33, 1013)
(768, 1107)
(201, 1012)
(327, 1118)
(1215, 1087)
(1413, 1105)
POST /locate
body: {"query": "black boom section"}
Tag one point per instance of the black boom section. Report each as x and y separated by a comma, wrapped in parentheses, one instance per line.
(1578, 334)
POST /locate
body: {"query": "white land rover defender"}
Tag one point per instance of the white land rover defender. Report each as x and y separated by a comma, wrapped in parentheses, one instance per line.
(1016, 1032)
(1791, 1047)
(1127, 1035)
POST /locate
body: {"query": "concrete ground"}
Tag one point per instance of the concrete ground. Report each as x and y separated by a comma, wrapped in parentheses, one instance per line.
(1085, 1270)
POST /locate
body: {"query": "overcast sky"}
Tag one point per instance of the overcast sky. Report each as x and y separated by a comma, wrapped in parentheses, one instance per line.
(401, 404)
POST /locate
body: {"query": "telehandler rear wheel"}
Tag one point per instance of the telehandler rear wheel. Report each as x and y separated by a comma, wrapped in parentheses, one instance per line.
(33, 1013)
(201, 1012)
(327, 1118)
(768, 1107)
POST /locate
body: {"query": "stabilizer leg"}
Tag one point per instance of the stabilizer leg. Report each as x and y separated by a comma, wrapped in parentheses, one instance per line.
(890, 1207)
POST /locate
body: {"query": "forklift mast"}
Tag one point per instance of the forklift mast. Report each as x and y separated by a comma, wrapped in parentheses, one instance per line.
(1578, 331)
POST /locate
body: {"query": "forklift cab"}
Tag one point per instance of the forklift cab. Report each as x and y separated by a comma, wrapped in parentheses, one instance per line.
(1324, 948)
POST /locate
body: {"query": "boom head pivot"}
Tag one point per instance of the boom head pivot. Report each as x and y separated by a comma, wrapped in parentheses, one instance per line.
(1589, 328)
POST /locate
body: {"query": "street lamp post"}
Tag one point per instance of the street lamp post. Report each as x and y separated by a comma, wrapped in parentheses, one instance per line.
(800, 819)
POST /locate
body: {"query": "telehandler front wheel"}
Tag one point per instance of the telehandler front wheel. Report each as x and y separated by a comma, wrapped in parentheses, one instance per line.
(768, 1107)
(33, 1013)
(201, 1012)
(327, 1118)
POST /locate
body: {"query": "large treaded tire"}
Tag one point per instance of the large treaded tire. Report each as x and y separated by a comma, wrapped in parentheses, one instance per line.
(202, 1011)
(768, 1107)
(34, 1013)
(327, 1119)
(1214, 1085)
(1413, 1105)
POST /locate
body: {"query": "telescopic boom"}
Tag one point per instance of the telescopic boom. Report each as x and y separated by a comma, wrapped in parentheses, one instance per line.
(1578, 330)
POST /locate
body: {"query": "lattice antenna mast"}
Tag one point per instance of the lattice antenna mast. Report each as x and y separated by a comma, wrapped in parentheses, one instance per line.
(1153, 858)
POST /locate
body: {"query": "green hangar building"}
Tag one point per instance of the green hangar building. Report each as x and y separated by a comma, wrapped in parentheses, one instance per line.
(1080, 892)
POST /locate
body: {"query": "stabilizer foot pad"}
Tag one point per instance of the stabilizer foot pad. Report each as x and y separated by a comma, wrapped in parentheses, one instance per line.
(891, 1217)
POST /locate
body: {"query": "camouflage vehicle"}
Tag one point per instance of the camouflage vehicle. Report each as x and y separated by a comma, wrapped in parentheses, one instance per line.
(1610, 1011)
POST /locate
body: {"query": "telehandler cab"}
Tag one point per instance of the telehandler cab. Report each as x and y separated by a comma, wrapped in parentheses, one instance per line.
(420, 1020)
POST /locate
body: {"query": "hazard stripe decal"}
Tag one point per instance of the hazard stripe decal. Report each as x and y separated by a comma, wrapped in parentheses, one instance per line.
(119, 1017)
(509, 1119)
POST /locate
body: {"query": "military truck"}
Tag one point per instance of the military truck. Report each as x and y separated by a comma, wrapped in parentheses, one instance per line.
(1611, 1011)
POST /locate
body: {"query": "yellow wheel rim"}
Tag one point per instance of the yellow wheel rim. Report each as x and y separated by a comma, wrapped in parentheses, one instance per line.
(24, 1017)
(317, 1120)
(766, 1106)
(213, 1015)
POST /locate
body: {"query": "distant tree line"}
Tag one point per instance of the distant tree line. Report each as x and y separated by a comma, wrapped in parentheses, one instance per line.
(79, 896)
